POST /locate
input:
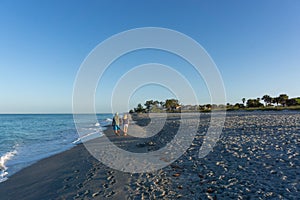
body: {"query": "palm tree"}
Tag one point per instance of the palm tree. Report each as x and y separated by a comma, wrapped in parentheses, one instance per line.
(243, 100)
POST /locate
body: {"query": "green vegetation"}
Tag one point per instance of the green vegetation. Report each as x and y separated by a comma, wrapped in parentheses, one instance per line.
(170, 105)
(282, 102)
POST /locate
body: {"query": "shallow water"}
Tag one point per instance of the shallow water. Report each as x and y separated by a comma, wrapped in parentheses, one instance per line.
(25, 139)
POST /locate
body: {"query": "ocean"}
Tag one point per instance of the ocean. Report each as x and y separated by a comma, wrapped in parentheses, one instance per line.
(27, 138)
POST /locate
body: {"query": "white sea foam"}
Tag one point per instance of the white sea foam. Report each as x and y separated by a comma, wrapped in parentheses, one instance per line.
(93, 132)
(3, 167)
(106, 122)
(86, 136)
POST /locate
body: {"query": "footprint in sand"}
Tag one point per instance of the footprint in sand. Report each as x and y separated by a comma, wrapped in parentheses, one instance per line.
(105, 186)
(68, 179)
(112, 182)
(79, 185)
(110, 194)
(109, 178)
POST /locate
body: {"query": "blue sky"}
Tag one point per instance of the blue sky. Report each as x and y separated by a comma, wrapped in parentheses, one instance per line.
(255, 45)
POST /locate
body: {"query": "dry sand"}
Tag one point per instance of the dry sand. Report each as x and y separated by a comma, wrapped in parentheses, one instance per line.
(257, 157)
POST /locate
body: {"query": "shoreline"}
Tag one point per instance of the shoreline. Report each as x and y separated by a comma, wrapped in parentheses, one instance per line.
(43, 137)
(257, 156)
(63, 173)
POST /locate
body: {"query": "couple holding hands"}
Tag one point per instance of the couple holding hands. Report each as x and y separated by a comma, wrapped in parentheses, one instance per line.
(117, 121)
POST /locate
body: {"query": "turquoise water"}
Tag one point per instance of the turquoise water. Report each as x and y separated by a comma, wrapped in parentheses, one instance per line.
(25, 139)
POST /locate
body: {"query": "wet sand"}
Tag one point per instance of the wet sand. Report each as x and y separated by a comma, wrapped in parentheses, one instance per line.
(257, 157)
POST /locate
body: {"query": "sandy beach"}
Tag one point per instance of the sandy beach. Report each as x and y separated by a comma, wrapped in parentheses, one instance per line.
(257, 157)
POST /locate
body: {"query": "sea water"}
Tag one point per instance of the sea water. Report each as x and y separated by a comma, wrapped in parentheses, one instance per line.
(27, 138)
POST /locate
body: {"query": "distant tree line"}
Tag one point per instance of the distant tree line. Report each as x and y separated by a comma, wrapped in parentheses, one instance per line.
(282, 100)
(173, 105)
(169, 105)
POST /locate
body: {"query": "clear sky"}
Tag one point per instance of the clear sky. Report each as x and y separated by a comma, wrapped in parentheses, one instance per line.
(255, 45)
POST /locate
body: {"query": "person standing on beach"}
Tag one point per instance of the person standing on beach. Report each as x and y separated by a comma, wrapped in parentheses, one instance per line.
(116, 124)
(125, 124)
